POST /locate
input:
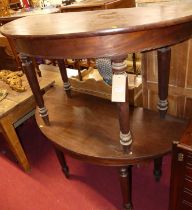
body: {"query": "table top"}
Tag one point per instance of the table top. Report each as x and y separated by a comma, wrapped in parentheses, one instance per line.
(99, 22)
(111, 32)
(87, 128)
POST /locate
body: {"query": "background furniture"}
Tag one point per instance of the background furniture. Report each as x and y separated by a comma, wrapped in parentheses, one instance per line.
(180, 82)
(15, 109)
(181, 174)
(25, 13)
(88, 5)
(131, 33)
(7, 59)
(180, 86)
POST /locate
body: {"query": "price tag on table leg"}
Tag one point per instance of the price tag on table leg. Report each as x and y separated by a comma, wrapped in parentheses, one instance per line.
(119, 87)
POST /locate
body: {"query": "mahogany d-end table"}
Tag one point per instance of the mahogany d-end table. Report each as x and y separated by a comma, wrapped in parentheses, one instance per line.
(87, 128)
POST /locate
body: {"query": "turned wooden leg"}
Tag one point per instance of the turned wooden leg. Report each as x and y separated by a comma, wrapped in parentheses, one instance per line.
(164, 57)
(34, 84)
(64, 76)
(158, 168)
(119, 66)
(62, 162)
(126, 186)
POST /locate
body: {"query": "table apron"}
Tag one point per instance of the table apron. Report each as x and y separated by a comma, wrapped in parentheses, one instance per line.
(103, 46)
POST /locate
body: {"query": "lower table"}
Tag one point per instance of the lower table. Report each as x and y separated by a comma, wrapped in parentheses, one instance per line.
(15, 109)
(87, 127)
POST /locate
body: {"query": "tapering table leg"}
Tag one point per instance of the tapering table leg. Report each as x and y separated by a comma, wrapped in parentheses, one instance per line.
(62, 161)
(158, 168)
(34, 84)
(164, 57)
(119, 66)
(126, 186)
(63, 71)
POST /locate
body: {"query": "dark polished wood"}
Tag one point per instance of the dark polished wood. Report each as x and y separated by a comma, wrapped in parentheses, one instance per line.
(62, 162)
(164, 58)
(88, 5)
(119, 67)
(157, 168)
(106, 33)
(87, 128)
(181, 173)
(126, 186)
(63, 72)
(34, 84)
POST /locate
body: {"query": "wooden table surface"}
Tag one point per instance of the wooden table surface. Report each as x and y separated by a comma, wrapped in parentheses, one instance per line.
(111, 32)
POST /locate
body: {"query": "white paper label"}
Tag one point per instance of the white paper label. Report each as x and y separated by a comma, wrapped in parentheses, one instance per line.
(119, 88)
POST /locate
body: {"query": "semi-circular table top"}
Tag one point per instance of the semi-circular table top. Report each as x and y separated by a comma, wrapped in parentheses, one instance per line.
(101, 33)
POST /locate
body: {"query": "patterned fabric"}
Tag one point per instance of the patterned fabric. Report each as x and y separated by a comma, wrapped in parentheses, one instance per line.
(104, 67)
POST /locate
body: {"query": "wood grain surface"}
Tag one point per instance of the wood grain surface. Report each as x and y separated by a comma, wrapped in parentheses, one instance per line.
(87, 128)
(103, 33)
(102, 22)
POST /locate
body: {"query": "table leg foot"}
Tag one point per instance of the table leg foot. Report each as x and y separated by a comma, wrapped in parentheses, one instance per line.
(128, 207)
(158, 168)
(46, 120)
(62, 162)
(44, 114)
(126, 187)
